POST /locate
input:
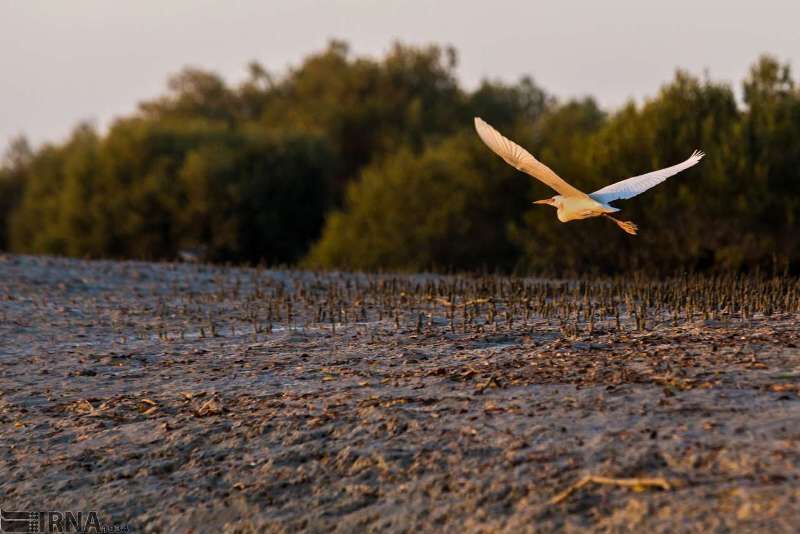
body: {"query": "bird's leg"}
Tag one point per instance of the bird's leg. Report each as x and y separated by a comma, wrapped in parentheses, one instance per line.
(626, 226)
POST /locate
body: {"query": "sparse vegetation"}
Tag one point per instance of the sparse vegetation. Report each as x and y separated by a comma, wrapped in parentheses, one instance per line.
(467, 304)
(252, 400)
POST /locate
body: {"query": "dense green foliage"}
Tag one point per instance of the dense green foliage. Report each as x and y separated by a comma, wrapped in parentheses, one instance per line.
(358, 163)
(447, 206)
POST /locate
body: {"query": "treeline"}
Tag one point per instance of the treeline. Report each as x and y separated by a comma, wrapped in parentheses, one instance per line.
(357, 163)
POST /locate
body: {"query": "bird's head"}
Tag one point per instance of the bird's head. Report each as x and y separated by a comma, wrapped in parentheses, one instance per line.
(553, 201)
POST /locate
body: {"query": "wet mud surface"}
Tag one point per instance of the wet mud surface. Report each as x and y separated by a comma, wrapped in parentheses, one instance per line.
(156, 395)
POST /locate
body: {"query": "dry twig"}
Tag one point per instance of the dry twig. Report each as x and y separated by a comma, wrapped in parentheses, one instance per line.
(636, 483)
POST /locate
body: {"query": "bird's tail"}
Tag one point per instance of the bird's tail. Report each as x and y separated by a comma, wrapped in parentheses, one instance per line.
(627, 226)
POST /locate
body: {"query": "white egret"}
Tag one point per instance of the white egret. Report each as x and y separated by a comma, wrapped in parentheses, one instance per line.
(572, 203)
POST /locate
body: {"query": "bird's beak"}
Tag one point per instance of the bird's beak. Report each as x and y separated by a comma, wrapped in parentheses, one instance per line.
(547, 201)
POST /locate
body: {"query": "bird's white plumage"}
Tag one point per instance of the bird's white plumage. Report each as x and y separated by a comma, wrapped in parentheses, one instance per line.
(636, 185)
(572, 203)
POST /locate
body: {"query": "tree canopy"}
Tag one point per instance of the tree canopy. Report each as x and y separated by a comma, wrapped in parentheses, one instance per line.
(351, 162)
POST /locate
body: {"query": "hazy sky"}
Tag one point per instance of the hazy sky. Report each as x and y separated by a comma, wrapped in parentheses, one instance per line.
(63, 61)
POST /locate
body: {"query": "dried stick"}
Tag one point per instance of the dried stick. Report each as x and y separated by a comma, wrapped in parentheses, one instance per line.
(626, 482)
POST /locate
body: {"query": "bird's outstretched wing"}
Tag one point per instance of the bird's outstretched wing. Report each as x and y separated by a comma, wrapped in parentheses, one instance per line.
(639, 184)
(522, 160)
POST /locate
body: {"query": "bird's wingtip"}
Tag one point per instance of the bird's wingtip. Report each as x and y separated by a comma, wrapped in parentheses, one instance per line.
(698, 154)
(481, 126)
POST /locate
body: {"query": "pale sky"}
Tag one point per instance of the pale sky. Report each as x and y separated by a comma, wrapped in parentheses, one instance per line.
(64, 61)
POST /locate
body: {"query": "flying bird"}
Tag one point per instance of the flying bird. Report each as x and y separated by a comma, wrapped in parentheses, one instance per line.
(572, 203)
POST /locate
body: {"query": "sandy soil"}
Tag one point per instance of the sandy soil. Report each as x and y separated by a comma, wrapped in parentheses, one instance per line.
(113, 399)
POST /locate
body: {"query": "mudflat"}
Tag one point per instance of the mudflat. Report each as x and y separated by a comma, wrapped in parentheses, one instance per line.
(176, 397)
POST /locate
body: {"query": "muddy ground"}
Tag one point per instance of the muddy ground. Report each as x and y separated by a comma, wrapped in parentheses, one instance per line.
(111, 400)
